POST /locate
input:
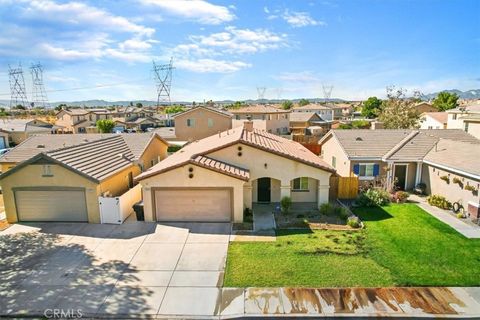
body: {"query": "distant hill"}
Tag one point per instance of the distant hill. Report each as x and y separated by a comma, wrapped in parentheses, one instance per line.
(469, 94)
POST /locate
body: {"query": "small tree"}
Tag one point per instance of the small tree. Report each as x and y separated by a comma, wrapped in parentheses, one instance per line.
(398, 111)
(287, 105)
(285, 203)
(303, 102)
(139, 105)
(235, 105)
(371, 108)
(174, 109)
(105, 125)
(445, 101)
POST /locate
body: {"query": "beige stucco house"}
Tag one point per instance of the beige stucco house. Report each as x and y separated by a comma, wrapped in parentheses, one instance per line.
(78, 120)
(17, 130)
(216, 178)
(201, 122)
(65, 184)
(264, 117)
(433, 120)
(400, 158)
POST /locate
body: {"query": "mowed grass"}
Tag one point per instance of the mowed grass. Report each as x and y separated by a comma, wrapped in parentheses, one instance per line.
(402, 245)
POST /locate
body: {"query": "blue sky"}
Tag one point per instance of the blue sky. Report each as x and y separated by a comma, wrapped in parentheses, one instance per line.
(225, 49)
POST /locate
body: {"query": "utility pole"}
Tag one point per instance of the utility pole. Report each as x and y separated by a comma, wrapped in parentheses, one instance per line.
(327, 92)
(163, 79)
(18, 94)
(261, 94)
(39, 95)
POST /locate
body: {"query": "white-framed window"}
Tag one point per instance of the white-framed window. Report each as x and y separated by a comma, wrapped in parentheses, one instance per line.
(300, 184)
(191, 123)
(466, 126)
(210, 122)
(365, 170)
(47, 170)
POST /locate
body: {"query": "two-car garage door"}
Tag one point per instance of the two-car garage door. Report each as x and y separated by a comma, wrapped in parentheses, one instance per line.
(203, 204)
(51, 205)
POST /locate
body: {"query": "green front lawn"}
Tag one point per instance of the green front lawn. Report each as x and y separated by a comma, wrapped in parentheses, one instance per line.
(401, 246)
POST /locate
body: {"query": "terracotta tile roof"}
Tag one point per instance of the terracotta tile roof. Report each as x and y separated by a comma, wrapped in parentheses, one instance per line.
(311, 107)
(256, 138)
(259, 109)
(441, 117)
(456, 155)
(224, 167)
(215, 110)
(304, 116)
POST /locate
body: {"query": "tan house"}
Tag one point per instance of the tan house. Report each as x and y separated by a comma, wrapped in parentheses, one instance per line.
(324, 112)
(389, 158)
(65, 184)
(341, 110)
(78, 120)
(433, 120)
(200, 122)
(465, 118)
(308, 123)
(264, 117)
(18, 130)
(216, 178)
(423, 107)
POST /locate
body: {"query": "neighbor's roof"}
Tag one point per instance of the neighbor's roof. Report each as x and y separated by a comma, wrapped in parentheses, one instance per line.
(310, 107)
(404, 145)
(304, 116)
(214, 110)
(21, 125)
(256, 138)
(44, 143)
(259, 109)
(473, 108)
(441, 117)
(455, 155)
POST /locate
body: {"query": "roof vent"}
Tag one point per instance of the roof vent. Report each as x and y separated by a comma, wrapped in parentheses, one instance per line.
(41, 146)
(358, 139)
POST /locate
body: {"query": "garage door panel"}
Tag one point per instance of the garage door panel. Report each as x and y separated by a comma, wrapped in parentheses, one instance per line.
(51, 205)
(193, 205)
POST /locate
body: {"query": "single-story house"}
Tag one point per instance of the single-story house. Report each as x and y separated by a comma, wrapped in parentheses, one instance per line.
(200, 122)
(391, 158)
(434, 120)
(20, 129)
(265, 117)
(301, 122)
(217, 178)
(64, 184)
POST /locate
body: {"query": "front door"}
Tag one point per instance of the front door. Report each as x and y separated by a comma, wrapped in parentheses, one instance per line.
(400, 176)
(263, 190)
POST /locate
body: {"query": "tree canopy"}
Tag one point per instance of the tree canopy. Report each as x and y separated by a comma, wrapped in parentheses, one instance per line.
(303, 102)
(174, 109)
(445, 101)
(287, 105)
(398, 111)
(371, 108)
(105, 125)
(235, 105)
(139, 105)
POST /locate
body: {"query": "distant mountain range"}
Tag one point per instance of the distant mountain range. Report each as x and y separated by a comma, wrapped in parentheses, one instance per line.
(469, 94)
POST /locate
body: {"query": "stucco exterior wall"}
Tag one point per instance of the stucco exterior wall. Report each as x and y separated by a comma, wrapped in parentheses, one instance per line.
(430, 123)
(452, 191)
(201, 129)
(118, 184)
(276, 123)
(179, 177)
(474, 128)
(332, 149)
(306, 196)
(31, 176)
(157, 148)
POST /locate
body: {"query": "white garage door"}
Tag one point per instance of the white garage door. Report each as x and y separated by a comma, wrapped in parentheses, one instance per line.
(51, 205)
(213, 205)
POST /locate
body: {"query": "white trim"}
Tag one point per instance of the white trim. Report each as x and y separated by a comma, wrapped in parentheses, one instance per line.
(473, 176)
(418, 174)
(406, 172)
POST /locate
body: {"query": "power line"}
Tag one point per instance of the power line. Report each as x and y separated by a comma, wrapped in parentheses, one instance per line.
(163, 79)
(261, 93)
(39, 95)
(18, 94)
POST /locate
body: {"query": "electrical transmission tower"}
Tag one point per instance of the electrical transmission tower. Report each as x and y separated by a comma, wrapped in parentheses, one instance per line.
(261, 93)
(279, 93)
(39, 95)
(18, 94)
(163, 79)
(327, 92)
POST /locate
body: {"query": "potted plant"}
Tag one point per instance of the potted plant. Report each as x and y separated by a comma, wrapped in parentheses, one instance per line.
(445, 178)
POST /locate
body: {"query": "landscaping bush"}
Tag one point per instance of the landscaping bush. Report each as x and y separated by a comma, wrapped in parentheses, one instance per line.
(247, 215)
(286, 204)
(342, 212)
(460, 215)
(439, 201)
(445, 178)
(327, 209)
(400, 196)
(373, 197)
(353, 222)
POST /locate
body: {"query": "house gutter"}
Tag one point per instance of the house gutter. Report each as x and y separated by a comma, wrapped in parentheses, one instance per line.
(461, 172)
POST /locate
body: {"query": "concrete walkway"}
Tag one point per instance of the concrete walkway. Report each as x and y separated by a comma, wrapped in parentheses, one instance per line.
(469, 231)
(263, 219)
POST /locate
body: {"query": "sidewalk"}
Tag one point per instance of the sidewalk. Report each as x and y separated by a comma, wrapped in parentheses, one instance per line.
(471, 232)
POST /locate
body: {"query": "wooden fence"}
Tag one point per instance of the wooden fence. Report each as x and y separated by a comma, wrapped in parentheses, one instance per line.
(343, 187)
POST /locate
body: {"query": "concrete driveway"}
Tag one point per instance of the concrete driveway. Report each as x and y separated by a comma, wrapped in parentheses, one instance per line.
(134, 268)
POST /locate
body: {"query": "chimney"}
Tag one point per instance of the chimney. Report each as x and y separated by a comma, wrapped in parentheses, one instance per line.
(248, 125)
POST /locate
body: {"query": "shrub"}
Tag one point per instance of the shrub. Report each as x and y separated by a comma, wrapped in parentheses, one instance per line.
(439, 201)
(445, 178)
(460, 215)
(327, 209)
(342, 212)
(456, 180)
(286, 203)
(400, 196)
(471, 188)
(373, 197)
(247, 215)
(353, 222)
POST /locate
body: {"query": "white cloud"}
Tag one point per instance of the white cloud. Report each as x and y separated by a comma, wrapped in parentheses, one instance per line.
(301, 19)
(197, 10)
(77, 13)
(211, 65)
(299, 77)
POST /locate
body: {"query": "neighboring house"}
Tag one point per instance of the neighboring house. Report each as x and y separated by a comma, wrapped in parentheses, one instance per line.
(264, 117)
(217, 178)
(433, 120)
(325, 113)
(20, 129)
(4, 137)
(384, 157)
(341, 110)
(423, 107)
(200, 122)
(43, 143)
(78, 120)
(65, 184)
(471, 124)
(465, 118)
(308, 123)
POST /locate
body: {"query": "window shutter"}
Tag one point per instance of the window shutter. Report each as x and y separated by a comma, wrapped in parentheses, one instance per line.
(376, 170)
(356, 169)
